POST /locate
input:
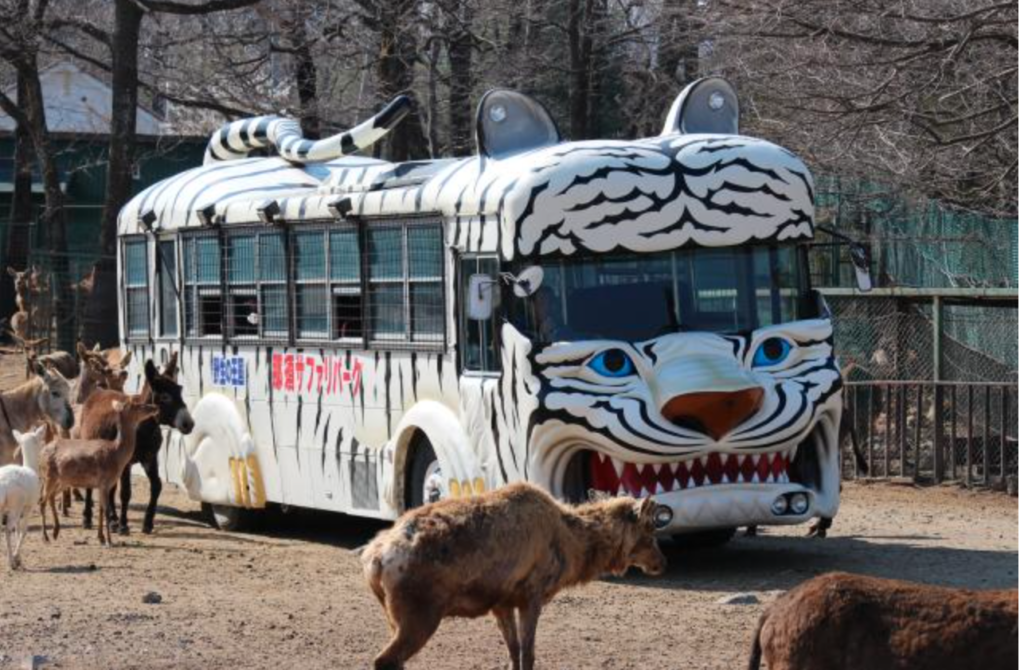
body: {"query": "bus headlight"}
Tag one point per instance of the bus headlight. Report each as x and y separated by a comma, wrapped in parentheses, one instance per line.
(779, 506)
(662, 516)
(798, 503)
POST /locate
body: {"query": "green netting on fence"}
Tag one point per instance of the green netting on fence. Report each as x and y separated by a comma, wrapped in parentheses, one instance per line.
(917, 243)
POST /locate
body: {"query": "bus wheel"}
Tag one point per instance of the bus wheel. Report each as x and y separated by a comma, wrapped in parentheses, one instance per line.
(226, 517)
(705, 539)
(425, 481)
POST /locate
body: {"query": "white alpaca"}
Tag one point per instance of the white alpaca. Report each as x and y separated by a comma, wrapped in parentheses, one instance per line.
(19, 491)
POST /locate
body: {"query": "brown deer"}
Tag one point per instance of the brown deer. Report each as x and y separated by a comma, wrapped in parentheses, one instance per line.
(503, 551)
(839, 620)
(99, 421)
(94, 375)
(21, 320)
(91, 464)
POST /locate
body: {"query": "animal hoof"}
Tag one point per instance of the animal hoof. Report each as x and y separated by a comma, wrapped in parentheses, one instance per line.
(122, 530)
(86, 524)
(148, 529)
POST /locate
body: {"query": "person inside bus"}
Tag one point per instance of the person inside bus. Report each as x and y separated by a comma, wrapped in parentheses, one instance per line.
(547, 314)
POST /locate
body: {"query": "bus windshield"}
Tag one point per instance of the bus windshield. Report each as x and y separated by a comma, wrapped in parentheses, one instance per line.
(637, 297)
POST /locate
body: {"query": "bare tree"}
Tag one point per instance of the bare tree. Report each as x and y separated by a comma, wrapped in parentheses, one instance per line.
(22, 25)
(922, 94)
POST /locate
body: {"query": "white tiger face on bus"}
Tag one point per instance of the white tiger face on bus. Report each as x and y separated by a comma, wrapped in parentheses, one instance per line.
(676, 413)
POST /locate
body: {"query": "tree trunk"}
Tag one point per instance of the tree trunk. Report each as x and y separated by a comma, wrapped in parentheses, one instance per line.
(100, 314)
(20, 221)
(677, 44)
(395, 76)
(581, 45)
(53, 210)
(460, 60)
(306, 83)
(433, 141)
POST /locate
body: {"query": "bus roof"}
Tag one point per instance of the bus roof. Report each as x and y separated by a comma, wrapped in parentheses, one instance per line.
(598, 196)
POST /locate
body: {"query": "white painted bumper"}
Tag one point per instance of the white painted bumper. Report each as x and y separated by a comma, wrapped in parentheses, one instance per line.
(734, 505)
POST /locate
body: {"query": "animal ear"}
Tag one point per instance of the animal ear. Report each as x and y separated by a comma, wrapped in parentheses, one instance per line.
(82, 351)
(11, 271)
(171, 369)
(151, 372)
(125, 360)
(96, 347)
(645, 509)
(39, 370)
(40, 432)
(18, 435)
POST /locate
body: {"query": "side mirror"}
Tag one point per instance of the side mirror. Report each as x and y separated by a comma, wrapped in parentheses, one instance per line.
(528, 281)
(861, 266)
(480, 301)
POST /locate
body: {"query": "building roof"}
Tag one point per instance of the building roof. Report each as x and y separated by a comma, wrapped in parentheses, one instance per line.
(77, 102)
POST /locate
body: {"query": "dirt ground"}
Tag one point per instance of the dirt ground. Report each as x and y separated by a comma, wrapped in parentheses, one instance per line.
(290, 595)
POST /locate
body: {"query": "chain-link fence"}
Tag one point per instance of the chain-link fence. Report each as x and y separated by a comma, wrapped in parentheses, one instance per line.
(57, 300)
(930, 361)
(893, 338)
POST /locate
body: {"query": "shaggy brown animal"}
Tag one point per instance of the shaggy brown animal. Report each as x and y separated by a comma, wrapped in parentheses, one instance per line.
(839, 620)
(507, 550)
(99, 421)
(91, 463)
(45, 397)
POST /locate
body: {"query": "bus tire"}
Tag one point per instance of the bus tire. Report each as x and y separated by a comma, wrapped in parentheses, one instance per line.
(226, 517)
(424, 474)
(705, 539)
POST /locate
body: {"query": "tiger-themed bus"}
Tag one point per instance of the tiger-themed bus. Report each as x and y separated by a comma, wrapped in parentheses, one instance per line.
(626, 317)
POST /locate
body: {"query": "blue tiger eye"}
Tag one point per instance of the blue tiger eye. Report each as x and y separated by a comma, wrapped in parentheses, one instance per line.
(772, 351)
(614, 363)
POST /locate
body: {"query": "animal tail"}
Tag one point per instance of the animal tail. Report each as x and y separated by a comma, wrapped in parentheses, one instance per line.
(755, 651)
(238, 138)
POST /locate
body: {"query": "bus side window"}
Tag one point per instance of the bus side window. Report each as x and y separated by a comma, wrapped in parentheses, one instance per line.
(346, 291)
(479, 338)
(202, 286)
(136, 272)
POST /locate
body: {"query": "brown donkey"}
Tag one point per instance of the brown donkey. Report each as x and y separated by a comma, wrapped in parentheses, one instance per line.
(508, 550)
(91, 464)
(839, 620)
(45, 397)
(99, 421)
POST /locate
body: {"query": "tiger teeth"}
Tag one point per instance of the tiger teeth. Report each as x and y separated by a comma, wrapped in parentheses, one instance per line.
(622, 478)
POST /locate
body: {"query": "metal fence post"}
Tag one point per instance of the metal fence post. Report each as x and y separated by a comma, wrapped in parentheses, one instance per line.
(937, 445)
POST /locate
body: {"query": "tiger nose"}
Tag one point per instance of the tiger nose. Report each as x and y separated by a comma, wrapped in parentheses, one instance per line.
(714, 413)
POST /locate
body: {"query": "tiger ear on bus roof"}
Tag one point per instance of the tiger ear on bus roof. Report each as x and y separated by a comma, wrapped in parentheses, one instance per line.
(708, 105)
(508, 123)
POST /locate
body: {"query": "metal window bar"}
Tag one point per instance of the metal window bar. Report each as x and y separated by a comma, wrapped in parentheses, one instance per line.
(404, 296)
(168, 287)
(310, 258)
(344, 268)
(255, 279)
(135, 253)
(203, 284)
